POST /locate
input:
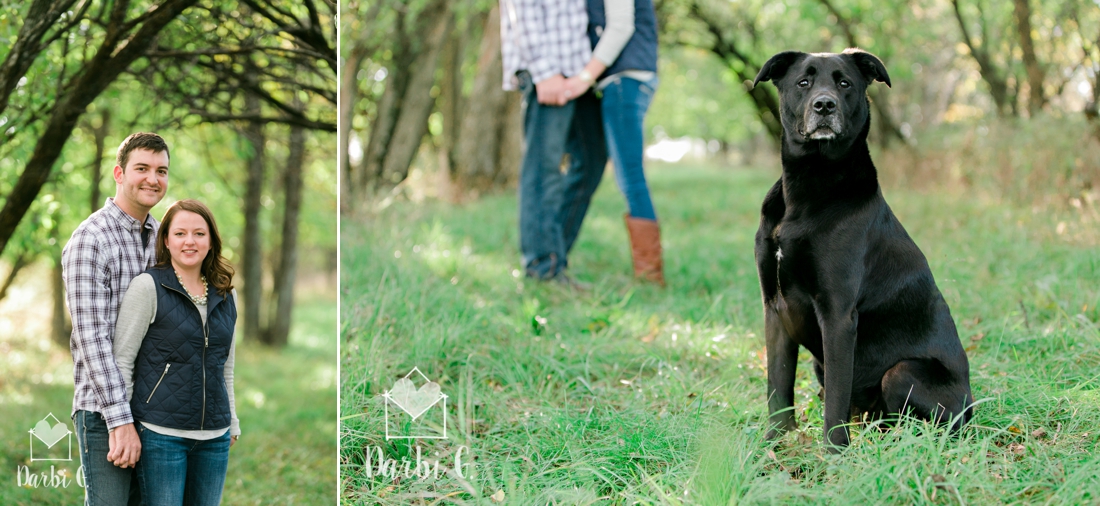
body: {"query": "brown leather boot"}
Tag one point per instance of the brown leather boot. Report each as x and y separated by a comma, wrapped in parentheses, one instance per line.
(645, 248)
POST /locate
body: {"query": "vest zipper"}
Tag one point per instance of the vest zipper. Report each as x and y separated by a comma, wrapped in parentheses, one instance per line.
(162, 375)
(206, 344)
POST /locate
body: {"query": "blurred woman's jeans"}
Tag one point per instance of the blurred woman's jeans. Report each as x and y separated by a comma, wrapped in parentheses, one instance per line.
(176, 471)
(624, 104)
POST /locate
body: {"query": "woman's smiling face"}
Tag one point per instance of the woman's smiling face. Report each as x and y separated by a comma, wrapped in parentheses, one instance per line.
(188, 240)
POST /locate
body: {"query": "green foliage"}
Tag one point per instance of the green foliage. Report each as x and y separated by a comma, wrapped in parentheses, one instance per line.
(698, 97)
(208, 159)
(633, 394)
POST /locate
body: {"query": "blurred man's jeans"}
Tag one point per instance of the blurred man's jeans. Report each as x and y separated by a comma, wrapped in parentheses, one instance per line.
(104, 483)
(553, 202)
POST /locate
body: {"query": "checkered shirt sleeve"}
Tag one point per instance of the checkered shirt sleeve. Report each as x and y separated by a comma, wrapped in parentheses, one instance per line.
(543, 37)
(104, 253)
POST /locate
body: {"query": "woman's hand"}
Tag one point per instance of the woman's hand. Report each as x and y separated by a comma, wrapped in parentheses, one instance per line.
(232, 440)
(575, 87)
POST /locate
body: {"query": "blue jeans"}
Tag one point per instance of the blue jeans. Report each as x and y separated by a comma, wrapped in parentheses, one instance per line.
(176, 471)
(104, 483)
(553, 202)
(625, 102)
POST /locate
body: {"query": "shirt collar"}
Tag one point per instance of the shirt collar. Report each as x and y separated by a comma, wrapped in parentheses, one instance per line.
(128, 222)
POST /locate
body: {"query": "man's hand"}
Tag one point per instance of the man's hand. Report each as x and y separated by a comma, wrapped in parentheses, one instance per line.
(125, 446)
(550, 91)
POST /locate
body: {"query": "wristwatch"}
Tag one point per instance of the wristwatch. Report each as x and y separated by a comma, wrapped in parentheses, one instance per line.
(586, 76)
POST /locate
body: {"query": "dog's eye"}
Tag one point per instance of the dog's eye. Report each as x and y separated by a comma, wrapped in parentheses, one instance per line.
(845, 84)
(803, 83)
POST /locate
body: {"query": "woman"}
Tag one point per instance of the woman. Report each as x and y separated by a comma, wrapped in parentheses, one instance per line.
(624, 69)
(174, 345)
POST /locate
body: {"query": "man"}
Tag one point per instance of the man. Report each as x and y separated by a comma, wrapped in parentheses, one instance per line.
(542, 43)
(105, 252)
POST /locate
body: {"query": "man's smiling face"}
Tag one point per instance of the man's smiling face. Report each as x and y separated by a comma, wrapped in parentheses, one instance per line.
(143, 182)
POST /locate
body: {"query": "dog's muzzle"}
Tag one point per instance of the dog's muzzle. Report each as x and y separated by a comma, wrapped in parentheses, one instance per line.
(821, 119)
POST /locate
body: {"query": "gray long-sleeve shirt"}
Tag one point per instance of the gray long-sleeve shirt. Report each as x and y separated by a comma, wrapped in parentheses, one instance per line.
(619, 29)
(137, 312)
(615, 36)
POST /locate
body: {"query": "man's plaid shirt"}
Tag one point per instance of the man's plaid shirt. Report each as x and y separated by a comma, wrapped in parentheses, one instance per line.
(101, 258)
(543, 37)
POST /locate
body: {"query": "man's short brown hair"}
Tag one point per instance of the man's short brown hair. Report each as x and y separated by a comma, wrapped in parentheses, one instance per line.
(141, 140)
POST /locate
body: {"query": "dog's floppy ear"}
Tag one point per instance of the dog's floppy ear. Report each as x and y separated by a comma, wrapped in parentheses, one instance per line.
(777, 66)
(869, 64)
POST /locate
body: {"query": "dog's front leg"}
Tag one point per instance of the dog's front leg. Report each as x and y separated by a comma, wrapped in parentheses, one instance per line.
(838, 328)
(782, 362)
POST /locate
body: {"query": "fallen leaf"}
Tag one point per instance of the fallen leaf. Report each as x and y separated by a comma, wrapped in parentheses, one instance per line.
(1015, 430)
(498, 497)
(1037, 433)
(1017, 448)
(648, 338)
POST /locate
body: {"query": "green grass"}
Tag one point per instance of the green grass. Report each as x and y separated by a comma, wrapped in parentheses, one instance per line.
(633, 394)
(286, 400)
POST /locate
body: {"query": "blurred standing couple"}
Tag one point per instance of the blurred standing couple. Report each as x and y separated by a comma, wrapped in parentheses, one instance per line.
(587, 70)
(153, 311)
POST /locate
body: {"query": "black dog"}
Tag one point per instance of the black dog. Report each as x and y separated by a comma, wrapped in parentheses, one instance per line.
(839, 274)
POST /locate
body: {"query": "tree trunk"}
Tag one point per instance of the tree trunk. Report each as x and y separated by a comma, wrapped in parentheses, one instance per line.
(100, 134)
(252, 250)
(477, 153)
(1036, 97)
(349, 94)
(998, 86)
(388, 107)
(279, 329)
(61, 327)
(417, 101)
(22, 260)
(511, 141)
(450, 90)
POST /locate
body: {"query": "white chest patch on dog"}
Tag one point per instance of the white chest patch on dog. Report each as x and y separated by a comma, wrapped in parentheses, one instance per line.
(779, 254)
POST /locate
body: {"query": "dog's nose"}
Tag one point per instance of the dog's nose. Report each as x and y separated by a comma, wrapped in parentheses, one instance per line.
(824, 104)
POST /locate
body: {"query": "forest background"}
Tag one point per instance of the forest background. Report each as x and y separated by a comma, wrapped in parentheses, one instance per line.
(422, 88)
(245, 95)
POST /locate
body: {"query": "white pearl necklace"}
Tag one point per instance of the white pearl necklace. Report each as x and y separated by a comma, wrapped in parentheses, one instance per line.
(199, 301)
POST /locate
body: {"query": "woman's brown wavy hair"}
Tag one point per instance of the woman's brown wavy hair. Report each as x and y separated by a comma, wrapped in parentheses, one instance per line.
(216, 269)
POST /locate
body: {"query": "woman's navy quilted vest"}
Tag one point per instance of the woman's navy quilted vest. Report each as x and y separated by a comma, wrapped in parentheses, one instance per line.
(179, 379)
(640, 53)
